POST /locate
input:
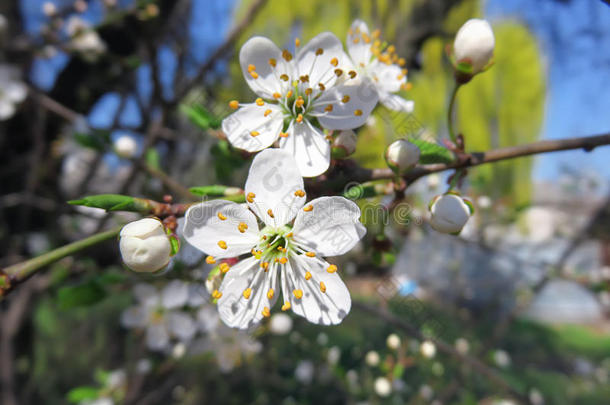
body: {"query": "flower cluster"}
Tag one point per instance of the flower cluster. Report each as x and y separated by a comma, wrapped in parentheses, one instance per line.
(12, 91)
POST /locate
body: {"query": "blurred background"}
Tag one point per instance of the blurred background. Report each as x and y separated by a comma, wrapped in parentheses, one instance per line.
(126, 96)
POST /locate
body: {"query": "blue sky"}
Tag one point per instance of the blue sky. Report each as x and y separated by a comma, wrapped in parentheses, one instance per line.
(574, 37)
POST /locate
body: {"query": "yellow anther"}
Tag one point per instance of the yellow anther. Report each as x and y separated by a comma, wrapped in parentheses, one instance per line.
(332, 268)
(283, 260)
(276, 95)
(334, 62)
(286, 306)
(222, 244)
(307, 275)
(400, 76)
(247, 292)
(255, 133)
(251, 68)
(289, 235)
(260, 102)
(250, 197)
(221, 217)
(299, 102)
(322, 86)
(299, 193)
(308, 208)
(289, 94)
(391, 49)
(298, 294)
(376, 33)
(405, 71)
(267, 112)
(345, 98)
(265, 312)
(322, 286)
(265, 265)
(242, 227)
(310, 254)
(356, 40)
(254, 74)
(297, 42)
(406, 86)
(284, 77)
(366, 38)
(328, 108)
(216, 294)
(270, 293)
(281, 248)
(338, 72)
(319, 51)
(329, 138)
(257, 254)
(304, 78)
(270, 213)
(352, 73)
(402, 61)
(210, 260)
(286, 55)
(272, 62)
(224, 267)
(283, 134)
(308, 91)
(358, 113)
(234, 104)
(299, 118)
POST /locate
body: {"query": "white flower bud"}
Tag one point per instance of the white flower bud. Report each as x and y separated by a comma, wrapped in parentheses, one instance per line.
(449, 213)
(372, 358)
(393, 341)
(401, 156)
(125, 146)
(344, 144)
(280, 324)
(427, 349)
(49, 9)
(474, 44)
(383, 387)
(462, 346)
(144, 245)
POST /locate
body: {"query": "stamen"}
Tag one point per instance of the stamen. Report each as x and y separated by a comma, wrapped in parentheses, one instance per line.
(332, 268)
(289, 94)
(254, 133)
(272, 62)
(286, 306)
(267, 112)
(250, 197)
(283, 260)
(297, 42)
(270, 213)
(210, 260)
(300, 118)
(283, 134)
(358, 113)
(289, 235)
(284, 77)
(299, 102)
(322, 287)
(224, 267)
(270, 293)
(216, 294)
(328, 108)
(247, 293)
(310, 254)
(222, 244)
(356, 40)
(322, 86)
(319, 51)
(298, 294)
(254, 74)
(334, 62)
(265, 312)
(242, 227)
(234, 104)
(308, 91)
(345, 98)
(376, 33)
(265, 266)
(221, 217)
(352, 74)
(304, 78)
(308, 208)
(299, 193)
(391, 49)
(260, 102)
(275, 95)
(338, 72)
(251, 68)
(402, 61)
(366, 38)
(307, 275)
(286, 55)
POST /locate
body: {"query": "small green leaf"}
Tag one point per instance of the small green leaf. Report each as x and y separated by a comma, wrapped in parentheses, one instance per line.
(214, 190)
(152, 158)
(82, 295)
(110, 202)
(431, 152)
(398, 371)
(200, 116)
(175, 244)
(84, 393)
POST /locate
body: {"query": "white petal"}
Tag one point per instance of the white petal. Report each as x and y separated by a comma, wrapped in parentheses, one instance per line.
(249, 129)
(324, 308)
(181, 325)
(15, 91)
(135, 317)
(7, 108)
(146, 294)
(351, 114)
(204, 229)
(234, 309)
(358, 47)
(257, 51)
(332, 228)
(318, 67)
(309, 147)
(387, 78)
(274, 177)
(174, 294)
(396, 103)
(157, 337)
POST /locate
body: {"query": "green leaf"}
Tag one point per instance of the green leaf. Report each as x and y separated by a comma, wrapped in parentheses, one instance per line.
(109, 202)
(398, 370)
(175, 244)
(200, 116)
(84, 393)
(82, 295)
(213, 190)
(431, 152)
(152, 158)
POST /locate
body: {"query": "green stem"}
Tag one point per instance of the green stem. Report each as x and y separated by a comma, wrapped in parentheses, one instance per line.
(452, 134)
(16, 273)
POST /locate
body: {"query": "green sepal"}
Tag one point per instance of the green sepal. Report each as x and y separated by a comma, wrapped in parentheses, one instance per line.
(431, 152)
(113, 202)
(174, 242)
(464, 67)
(213, 190)
(470, 205)
(338, 152)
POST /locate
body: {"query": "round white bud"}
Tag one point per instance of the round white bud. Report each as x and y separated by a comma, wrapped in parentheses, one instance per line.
(474, 44)
(344, 144)
(125, 146)
(49, 9)
(383, 387)
(372, 358)
(393, 341)
(280, 324)
(427, 349)
(462, 346)
(449, 213)
(401, 156)
(144, 245)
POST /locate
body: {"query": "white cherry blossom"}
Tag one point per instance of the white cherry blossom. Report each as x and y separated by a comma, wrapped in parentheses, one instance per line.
(285, 253)
(299, 96)
(381, 65)
(12, 91)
